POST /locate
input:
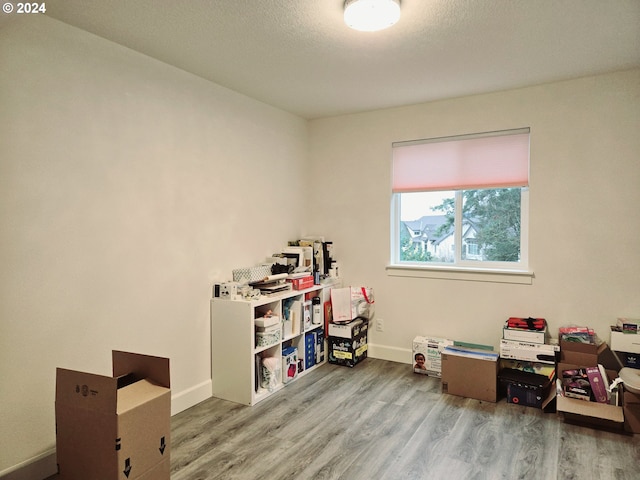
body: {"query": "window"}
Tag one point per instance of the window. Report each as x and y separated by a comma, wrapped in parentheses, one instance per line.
(461, 202)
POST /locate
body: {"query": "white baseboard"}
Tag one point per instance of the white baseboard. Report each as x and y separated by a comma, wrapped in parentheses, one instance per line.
(393, 354)
(45, 465)
(36, 468)
(190, 397)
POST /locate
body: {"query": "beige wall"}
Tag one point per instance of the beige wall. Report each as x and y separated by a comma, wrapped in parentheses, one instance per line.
(584, 198)
(127, 187)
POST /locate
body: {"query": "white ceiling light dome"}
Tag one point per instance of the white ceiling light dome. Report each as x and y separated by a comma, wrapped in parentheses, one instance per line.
(371, 15)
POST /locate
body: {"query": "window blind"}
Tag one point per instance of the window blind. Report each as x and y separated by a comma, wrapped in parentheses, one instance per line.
(488, 160)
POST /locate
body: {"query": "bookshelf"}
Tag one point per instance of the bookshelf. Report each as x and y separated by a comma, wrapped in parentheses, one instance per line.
(237, 354)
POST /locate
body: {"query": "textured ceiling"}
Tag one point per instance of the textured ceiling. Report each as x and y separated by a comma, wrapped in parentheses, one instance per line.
(299, 56)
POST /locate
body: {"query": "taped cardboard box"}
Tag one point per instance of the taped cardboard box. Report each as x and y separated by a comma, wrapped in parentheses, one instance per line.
(470, 373)
(115, 427)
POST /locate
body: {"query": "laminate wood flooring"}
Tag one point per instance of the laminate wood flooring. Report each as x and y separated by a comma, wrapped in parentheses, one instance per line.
(380, 421)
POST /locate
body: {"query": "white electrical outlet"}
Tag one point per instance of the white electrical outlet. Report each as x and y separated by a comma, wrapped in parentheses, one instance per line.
(380, 325)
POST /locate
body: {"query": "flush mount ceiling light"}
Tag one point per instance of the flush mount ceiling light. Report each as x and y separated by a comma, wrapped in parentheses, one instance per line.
(371, 15)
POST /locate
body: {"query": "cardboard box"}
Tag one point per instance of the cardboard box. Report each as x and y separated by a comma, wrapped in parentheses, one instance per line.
(160, 471)
(524, 388)
(270, 336)
(531, 352)
(319, 346)
(631, 409)
(524, 335)
(310, 340)
(266, 322)
(627, 359)
(589, 355)
(470, 373)
(115, 427)
(431, 349)
(289, 364)
(593, 414)
(519, 395)
(348, 342)
(585, 348)
(625, 342)
(301, 283)
(541, 368)
(347, 330)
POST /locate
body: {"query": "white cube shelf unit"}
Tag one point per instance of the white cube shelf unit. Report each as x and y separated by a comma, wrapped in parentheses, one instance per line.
(235, 355)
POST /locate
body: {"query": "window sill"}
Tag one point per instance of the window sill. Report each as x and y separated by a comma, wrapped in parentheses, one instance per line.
(520, 277)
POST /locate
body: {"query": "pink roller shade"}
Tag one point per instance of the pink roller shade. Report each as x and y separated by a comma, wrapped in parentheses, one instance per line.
(462, 163)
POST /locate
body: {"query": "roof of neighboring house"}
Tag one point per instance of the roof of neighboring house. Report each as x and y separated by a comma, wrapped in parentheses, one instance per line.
(426, 228)
(426, 224)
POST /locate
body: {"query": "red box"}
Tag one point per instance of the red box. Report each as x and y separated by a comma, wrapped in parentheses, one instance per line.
(301, 283)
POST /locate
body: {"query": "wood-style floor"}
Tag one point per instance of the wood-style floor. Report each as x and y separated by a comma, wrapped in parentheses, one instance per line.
(380, 421)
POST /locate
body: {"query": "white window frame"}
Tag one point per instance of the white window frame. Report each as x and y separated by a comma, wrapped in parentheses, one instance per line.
(470, 270)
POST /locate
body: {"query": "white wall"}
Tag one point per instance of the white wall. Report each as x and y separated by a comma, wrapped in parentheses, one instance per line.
(127, 187)
(584, 198)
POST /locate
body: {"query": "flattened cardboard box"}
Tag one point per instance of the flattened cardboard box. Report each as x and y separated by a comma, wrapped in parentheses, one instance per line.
(115, 427)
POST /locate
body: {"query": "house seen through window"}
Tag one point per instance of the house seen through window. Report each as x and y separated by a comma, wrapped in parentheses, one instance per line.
(462, 201)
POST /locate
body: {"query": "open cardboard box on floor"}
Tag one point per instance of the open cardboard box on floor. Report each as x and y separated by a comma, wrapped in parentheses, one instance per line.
(589, 413)
(589, 355)
(115, 427)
